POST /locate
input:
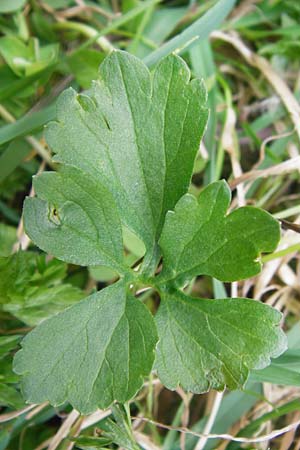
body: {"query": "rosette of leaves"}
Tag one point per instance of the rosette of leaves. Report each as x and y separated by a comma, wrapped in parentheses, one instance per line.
(126, 150)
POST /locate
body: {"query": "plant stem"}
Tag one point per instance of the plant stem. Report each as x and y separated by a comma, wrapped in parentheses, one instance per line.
(87, 31)
(292, 249)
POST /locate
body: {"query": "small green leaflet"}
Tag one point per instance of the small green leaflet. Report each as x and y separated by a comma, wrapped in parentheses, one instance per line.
(135, 133)
(126, 150)
(210, 344)
(75, 219)
(199, 239)
(93, 353)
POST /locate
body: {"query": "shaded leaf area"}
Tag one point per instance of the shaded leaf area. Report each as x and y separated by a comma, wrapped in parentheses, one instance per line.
(74, 218)
(23, 59)
(91, 354)
(9, 395)
(135, 133)
(200, 239)
(7, 239)
(8, 6)
(91, 443)
(212, 344)
(32, 289)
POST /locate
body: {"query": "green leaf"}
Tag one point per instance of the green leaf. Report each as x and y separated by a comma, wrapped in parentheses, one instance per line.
(43, 303)
(7, 375)
(9, 6)
(27, 59)
(200, 239)
(9, 396)
(8, 236)
(12, 157)
(212, 344)
(126, 151)
(58, 4)
(84, 66)
(31, 289)
(120, 431)
(145, 163)
(74, 219)
(8, 343)
(16, 54)
(93, 353)
(15, 272)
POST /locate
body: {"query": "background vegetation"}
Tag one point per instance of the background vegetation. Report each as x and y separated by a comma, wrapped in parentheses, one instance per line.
(248, 53)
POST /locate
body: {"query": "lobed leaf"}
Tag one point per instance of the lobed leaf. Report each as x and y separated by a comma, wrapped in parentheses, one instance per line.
(126, 150)
(135, 133)
(200, 239)
(75, 219)
(90, 355)
(212, 344)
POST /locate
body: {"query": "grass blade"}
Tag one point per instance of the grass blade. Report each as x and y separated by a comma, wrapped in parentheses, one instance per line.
(200, 29)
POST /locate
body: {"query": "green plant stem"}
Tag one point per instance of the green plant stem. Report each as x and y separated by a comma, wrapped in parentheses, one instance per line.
(125, 18)
(143, 39)
(172, 434)
(87, 31)
(135, 42)
(281, 253)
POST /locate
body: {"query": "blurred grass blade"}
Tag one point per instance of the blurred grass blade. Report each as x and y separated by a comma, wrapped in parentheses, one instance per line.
(233, 407)
(276, 375)
(161, 24)
(9, 6)
(12, 156)
(294, 337)
(254, 426)
(27, 124)
(115, 24)
(203, 66)
(200, 29)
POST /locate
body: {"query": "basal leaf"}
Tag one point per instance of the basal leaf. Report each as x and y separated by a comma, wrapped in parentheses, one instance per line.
(93, 353)
(74, 218)
(210, 344)
(32, 288)
(135, 133)
(200, 239)
(9, 396)
(8, 236)
(7, 344)
(15, 272)
(126, 150)
(37, 304)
